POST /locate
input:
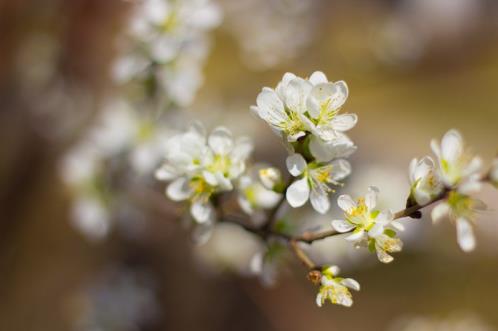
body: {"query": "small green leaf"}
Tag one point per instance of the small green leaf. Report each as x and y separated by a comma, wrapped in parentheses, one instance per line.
(371, 245)
(390, 233)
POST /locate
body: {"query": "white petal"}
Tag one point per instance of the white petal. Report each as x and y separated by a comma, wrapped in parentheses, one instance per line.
(341, 95)
(340, 169)
(179, 190)
(344, 122)
(452, 146)
(296, 94)
(351, 283)
(165, 172)
(342, 226)
(383, 256)
(243, 148)
(319, 299)
(355, 236)
(470, 187)
(385, 217)
(376, 230)
(298, 193)
(210, 178)
(473, 167)
(295, 164)
(340, 147)
(346, 203)
(221, 141)
(270, 107)
(319, 200)
(465, 235)
(440, 211)
(201, 211)
(371, 197)
(318, 77)
(398, 226)
(435, 148)
(202, 232)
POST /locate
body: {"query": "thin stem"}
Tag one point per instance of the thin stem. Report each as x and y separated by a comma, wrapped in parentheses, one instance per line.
(301, 255)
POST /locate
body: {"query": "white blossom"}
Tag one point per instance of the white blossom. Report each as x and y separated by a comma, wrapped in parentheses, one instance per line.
(369, 226)
(425, 180)
(270, 177)
(457, 166)
(461, 209)
(335, 289)
(297, 107)
(199, 166)
(253, 196)
(314, 180)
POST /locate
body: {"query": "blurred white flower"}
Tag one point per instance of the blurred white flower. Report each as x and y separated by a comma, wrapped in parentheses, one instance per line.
(461, 209)
(457, 321)
(253, 196)
(271, 178)
(168, 44)
(314, 181)
(370, 226)
(266, 30)
(199, 167)
(457, 166)
(336, 289)
(425, 182)
(120, 299)
(91, 217)
(267, 263)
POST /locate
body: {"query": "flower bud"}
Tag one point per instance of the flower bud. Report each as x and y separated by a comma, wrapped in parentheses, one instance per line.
(271, 178)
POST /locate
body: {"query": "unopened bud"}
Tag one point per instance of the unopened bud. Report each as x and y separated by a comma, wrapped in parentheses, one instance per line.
(271, 178)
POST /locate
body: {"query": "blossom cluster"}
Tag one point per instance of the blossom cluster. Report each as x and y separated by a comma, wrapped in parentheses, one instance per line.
(200, 166)
(118, 133)
(306, 114)
(166, 47)
(455, 175)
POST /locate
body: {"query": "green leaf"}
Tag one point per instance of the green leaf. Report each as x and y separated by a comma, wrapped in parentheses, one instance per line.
(371, 245)
(390, 233)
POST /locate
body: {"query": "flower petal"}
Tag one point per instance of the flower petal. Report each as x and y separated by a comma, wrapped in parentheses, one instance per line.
(318, 77)
(166, 172)
(319, 200)
(221, 141)
(325, 151)
(319, 301)
(342, 226)
(440, 211)
(346, 203)
(355, 236)
(465, 235)
(371, 197)
(298, 193)
(270, 108)
(296, 94)
(351, 283)
(295, 164)
(201, 211)
(452, 146)
(344, 122)
(376, 230)
(179, 189)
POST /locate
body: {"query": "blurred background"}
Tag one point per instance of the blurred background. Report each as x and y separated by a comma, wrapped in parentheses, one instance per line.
(415, 68)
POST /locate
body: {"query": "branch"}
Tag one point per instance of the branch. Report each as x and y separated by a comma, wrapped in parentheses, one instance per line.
(301, 255)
